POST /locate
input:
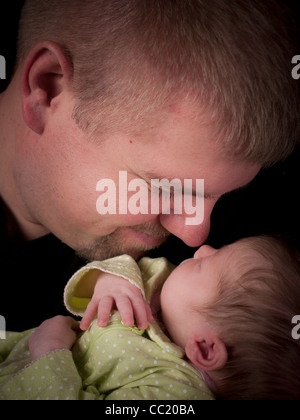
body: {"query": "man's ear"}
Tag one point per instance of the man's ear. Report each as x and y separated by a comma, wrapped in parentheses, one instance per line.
(207, 353)
(47, 71)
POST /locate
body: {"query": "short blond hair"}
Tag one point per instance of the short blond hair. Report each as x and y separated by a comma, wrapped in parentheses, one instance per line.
(133, 57)
(253, 315)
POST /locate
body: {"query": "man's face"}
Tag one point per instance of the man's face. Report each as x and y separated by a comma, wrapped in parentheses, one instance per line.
(58, 173)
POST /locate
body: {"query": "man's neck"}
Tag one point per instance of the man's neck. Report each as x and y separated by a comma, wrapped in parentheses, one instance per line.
(14, 229)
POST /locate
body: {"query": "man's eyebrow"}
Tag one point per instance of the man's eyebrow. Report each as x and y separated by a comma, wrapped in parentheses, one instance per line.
(150, 176)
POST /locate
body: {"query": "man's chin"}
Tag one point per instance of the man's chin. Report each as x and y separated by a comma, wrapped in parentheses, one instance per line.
(104, 250)
(103, 253)
(129, 241)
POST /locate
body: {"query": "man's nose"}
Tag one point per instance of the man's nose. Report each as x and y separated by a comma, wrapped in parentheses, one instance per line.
(193, 236)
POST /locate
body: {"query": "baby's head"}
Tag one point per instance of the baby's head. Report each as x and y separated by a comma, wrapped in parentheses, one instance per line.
(232, 310)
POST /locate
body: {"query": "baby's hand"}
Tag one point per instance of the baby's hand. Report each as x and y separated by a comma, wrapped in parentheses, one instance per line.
(54, 334)
(110, 291)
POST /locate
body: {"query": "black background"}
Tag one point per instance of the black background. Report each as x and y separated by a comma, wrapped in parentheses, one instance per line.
(270, 204)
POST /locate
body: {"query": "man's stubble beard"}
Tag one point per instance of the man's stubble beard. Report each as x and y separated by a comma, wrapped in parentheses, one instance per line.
(113, 245)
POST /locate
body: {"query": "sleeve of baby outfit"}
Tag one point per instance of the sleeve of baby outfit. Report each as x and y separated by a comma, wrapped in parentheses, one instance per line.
(53, 377)
(123, 266)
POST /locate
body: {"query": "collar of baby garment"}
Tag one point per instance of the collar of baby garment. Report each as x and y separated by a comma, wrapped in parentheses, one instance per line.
(154, 332)
(159, 337)
(154, 273)
(207, 379)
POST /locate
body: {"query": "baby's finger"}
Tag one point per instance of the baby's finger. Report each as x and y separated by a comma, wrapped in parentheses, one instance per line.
(141, 312)
(90, 313)
(149, 313)
(126, 311)
(104, 310)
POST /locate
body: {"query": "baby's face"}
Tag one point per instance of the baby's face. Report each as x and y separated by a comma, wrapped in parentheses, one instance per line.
(191, 286)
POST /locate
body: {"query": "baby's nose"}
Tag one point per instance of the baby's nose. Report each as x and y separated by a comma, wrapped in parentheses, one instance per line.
(205, 251)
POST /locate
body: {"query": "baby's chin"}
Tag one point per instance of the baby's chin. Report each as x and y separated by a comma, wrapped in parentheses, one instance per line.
(185, 261)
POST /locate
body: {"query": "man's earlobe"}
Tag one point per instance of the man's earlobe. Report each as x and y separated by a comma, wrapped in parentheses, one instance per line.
(46, 72)
(207, 353)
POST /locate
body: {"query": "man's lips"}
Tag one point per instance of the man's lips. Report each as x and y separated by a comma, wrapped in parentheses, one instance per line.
(148, 239)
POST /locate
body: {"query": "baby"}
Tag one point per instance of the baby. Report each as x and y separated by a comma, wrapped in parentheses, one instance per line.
(229, 311)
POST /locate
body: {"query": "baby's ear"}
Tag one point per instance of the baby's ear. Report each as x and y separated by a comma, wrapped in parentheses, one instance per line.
(207, 352)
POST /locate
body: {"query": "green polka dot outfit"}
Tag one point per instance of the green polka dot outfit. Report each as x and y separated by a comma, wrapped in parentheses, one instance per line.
(112, 363)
